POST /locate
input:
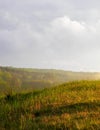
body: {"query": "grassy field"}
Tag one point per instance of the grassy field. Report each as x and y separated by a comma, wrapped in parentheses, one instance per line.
(70, 106)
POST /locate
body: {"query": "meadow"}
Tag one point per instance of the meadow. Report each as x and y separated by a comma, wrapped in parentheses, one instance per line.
(69, 106)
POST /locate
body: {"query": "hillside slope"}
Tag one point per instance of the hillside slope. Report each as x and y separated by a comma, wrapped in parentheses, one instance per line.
(21, 79)
(70, 106)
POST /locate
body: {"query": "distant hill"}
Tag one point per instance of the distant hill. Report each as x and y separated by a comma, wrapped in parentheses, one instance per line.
(25, 78)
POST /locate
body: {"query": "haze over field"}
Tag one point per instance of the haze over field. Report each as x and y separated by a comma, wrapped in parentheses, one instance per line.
(61, 34)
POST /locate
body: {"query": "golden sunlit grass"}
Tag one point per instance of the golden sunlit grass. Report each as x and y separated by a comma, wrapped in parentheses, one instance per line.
(70, 106)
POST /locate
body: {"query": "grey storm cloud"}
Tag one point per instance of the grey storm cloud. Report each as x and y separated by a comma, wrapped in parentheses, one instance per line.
(61, 34)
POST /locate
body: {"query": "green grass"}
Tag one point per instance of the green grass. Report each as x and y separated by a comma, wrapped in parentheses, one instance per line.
(70, 106)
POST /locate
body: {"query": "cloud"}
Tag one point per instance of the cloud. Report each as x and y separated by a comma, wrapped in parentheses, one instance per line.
(50, 34)
(7, 21)
(72, 42)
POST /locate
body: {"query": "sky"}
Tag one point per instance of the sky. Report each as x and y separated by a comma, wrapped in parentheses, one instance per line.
(52, 34)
